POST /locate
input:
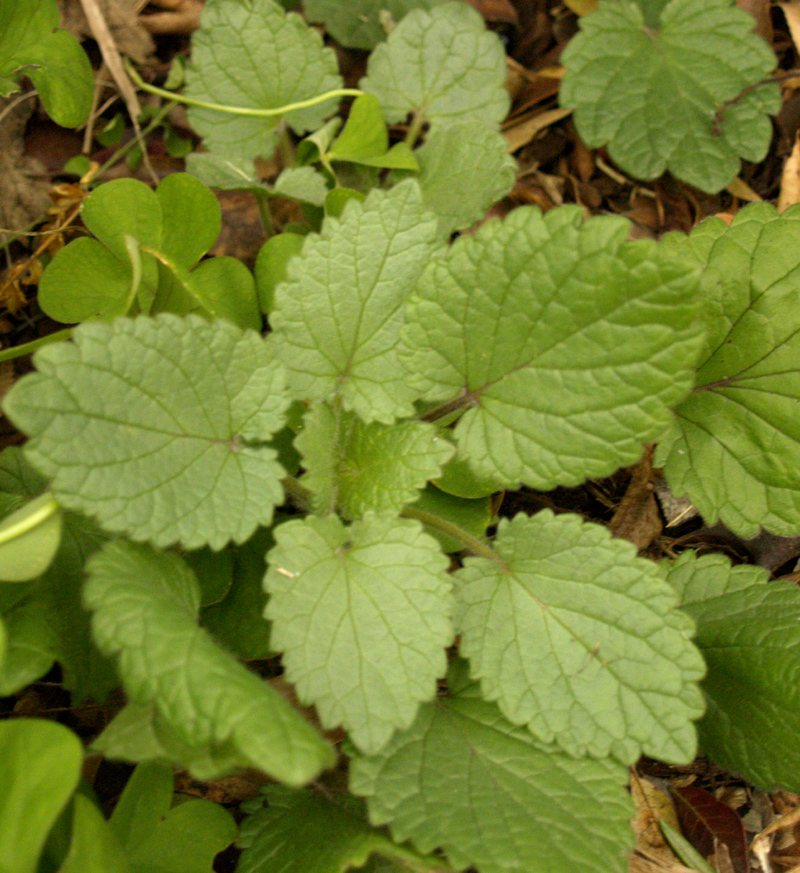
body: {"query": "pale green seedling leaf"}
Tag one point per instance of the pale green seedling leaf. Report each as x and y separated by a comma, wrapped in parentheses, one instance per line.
(305, 832)
(144, 802)
(580, 640)
(651, 95)
(734, 448)
(187, 840)
(464, 779)
(566, 345)
(157, 427)
(252, 54)
(145, 606)
(336, 320)
(464, 169)
(94, 847)
(365, 139)
(40, 764)
(749, 634)
(442, 66)
(362, 616)
(29, 539)
(358, 467)
(52, 59)
(360, 23)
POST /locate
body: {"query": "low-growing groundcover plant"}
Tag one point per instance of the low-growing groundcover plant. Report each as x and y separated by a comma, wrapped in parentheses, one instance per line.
(196, 491)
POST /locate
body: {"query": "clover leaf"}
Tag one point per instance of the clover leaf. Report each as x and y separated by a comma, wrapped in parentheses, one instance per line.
(565, 344)
(145, 605)
(119, 271)
(651, 93)
(362, 616)
(579, 639)
(359, 467)
(441, 66)
(158, 427)
(52, 59)
(734, 448)
(336, 320)
(360, 23)
(464, 779)
(749, 634)
(256, 56)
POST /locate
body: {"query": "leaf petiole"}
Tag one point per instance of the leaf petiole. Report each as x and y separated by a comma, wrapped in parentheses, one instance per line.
(239, 110)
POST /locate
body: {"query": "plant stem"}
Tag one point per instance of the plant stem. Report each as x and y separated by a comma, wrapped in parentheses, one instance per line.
(28, 523)
(28, 348)
(414, 128)
(123, 150)
(470, 543)
(240, 110)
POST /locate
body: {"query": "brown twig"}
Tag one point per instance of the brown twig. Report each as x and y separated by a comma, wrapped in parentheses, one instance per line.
(716, 127)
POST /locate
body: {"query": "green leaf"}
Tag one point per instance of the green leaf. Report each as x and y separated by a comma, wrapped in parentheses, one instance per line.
(223, 173)
(29, 539)
(304, 832)
(302, 183)
(566, 345)
(336, 320)
(238, 622)
(31, 645)
(93, 846)
(157, 427)
(438, 510)
(252, 54)
(191, 218)
(48, 622)
(464, 170)
(358, 23)
(464, 779)
(443, 66)
(94, 278)
(187, 840)
(358, 467)
(365, 139)
(362, 615)
(749, 634)
(338, 198)
(53, 61)
(652, 96)
(214, 572)
(220, 287)
(272, 264)
(576, 637)
(157, 839)
(735, 444)
(144, 801)
(145, 605)
(40, 763)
